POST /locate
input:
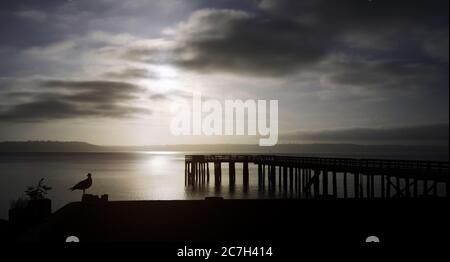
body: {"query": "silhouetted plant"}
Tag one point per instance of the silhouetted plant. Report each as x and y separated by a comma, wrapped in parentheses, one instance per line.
(38, 192)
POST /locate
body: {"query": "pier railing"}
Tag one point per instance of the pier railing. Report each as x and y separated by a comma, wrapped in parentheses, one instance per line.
(326, 177)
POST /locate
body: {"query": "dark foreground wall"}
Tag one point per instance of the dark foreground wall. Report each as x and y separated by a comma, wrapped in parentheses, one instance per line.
(314, 222)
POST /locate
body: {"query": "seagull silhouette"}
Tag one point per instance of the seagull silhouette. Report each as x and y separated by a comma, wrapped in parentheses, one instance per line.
(83, 185)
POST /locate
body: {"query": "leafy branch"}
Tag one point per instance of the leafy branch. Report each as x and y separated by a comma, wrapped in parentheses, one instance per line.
(37, 192)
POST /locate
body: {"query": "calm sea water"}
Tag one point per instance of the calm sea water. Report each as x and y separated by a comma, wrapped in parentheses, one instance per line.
(123, 176)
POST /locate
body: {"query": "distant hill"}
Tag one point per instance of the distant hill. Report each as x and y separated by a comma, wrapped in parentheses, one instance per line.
(335, 150)
(285, 148)
(48, 146)
(416, 152)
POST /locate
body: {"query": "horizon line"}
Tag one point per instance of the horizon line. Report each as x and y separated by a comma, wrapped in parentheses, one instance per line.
(221, 144)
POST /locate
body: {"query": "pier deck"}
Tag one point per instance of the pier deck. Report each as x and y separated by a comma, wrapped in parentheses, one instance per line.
(325, 177)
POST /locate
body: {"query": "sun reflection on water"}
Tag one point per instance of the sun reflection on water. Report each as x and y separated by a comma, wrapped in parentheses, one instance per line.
(156, 162)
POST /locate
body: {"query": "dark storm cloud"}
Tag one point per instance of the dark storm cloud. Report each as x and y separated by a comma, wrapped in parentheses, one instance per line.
(43, 110)
(287, 36)
(415, 29)
(364, 16)
(57, 99)
(236, 42)
(58, 109)
(96, 85)
(437, 133)
(388, 76)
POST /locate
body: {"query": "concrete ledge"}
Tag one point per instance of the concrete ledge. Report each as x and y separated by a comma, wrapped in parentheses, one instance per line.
(241, 220)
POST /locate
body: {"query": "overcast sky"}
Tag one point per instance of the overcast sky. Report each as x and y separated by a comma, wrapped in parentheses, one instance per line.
(106, 71)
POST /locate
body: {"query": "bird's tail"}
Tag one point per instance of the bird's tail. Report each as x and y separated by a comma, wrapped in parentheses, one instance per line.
(72, 189)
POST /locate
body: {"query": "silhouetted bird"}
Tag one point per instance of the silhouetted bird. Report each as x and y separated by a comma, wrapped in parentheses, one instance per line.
(83, 185)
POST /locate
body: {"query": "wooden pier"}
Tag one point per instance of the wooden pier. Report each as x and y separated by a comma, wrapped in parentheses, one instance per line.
(310, 177)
